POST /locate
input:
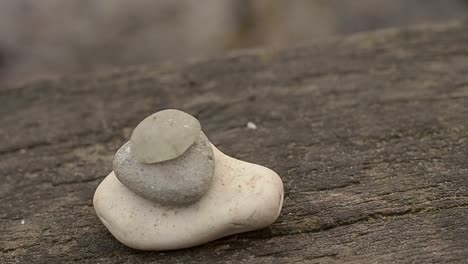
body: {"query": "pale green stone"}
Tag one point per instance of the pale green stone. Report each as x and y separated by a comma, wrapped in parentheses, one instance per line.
(164, 135)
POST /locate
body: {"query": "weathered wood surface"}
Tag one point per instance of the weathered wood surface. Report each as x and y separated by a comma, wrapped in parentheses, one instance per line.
(369, 133)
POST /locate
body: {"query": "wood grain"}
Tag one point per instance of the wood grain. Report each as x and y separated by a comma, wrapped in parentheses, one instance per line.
(368, 132)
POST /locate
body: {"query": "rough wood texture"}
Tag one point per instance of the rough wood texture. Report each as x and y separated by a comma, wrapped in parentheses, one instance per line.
(369, 133)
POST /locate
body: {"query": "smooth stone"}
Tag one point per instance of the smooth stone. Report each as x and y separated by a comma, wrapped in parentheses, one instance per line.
(178, 181)
(243, 197)
(164, 135)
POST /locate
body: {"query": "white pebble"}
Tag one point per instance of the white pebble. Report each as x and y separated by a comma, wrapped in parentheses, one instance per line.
(243, 197)
(251, 125)
(22, 221)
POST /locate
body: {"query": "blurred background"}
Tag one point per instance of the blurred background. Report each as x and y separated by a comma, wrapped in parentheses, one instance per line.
(50, 38)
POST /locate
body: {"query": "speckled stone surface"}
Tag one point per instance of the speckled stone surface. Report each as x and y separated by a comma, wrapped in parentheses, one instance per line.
(243, 197)
(164, 135)
(178, 181)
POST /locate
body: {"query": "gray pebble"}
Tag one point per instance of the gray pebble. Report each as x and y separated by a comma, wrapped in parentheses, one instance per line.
(178, 181)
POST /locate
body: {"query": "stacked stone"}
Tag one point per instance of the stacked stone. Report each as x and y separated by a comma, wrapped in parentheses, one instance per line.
(168, 159)
(172, 189)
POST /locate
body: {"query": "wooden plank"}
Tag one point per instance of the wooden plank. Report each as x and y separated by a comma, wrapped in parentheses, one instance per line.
(368, 132)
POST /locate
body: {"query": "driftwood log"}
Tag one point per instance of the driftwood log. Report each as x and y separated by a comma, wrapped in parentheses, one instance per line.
(368, 132)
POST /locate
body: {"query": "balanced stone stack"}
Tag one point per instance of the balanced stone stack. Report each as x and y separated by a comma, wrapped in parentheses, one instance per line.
(171, 188)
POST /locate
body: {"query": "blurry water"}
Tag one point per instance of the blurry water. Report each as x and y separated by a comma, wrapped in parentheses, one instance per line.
(48, 38)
